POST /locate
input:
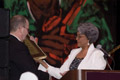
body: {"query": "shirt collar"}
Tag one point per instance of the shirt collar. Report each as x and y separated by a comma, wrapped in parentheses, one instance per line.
(15, 36)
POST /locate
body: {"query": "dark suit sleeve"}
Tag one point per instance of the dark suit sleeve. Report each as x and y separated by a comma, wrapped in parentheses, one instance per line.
(25, 62)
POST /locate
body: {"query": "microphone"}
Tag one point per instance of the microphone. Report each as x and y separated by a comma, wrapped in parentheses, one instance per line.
(105, 53)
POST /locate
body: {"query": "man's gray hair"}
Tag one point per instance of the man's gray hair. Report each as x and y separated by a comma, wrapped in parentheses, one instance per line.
(16, 21)
(89, 30)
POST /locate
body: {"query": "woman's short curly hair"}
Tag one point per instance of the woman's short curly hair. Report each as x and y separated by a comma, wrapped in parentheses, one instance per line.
(89, 30)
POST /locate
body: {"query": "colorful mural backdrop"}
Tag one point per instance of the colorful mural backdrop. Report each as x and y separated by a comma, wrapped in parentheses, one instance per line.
(55, 23)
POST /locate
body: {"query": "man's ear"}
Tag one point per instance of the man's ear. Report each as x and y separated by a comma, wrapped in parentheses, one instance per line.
(21, 28)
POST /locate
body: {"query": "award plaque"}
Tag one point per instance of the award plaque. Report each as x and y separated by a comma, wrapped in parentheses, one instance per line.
(35, 51)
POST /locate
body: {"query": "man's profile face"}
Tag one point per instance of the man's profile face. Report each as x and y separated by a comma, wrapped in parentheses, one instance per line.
(25, 30)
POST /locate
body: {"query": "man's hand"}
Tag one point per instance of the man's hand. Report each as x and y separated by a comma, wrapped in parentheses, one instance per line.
(34, 39)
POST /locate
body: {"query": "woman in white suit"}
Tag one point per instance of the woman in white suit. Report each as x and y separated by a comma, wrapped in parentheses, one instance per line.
(84, 57)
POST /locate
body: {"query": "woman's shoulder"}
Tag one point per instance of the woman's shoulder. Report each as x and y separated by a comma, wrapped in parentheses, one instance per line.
(98, 51)
(75, 49)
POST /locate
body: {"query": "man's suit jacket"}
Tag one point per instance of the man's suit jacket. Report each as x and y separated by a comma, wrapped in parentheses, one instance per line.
(21, 61)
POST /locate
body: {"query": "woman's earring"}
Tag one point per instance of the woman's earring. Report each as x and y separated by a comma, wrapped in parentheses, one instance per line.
(88, 43)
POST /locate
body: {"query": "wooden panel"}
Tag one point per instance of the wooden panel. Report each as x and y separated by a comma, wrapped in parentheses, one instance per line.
(70, 75)
(100, 75)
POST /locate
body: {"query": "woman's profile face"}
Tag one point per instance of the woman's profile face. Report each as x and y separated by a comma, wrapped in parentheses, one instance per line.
(81, 40)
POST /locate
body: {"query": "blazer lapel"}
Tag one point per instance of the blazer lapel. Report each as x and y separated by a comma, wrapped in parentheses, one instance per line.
(87, 58)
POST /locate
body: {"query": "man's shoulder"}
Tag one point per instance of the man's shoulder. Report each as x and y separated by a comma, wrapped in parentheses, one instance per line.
(15, 43)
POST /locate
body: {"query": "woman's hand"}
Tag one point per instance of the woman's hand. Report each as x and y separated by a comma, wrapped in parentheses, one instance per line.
(63, 73)
(40, 61)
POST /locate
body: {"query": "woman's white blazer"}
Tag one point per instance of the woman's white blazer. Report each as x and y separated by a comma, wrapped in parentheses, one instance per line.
(94, 60)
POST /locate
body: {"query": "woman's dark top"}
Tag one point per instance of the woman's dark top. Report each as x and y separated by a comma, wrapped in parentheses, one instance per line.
(75, 63)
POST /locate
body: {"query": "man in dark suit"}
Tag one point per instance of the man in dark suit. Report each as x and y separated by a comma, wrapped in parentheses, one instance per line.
(20, 58)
